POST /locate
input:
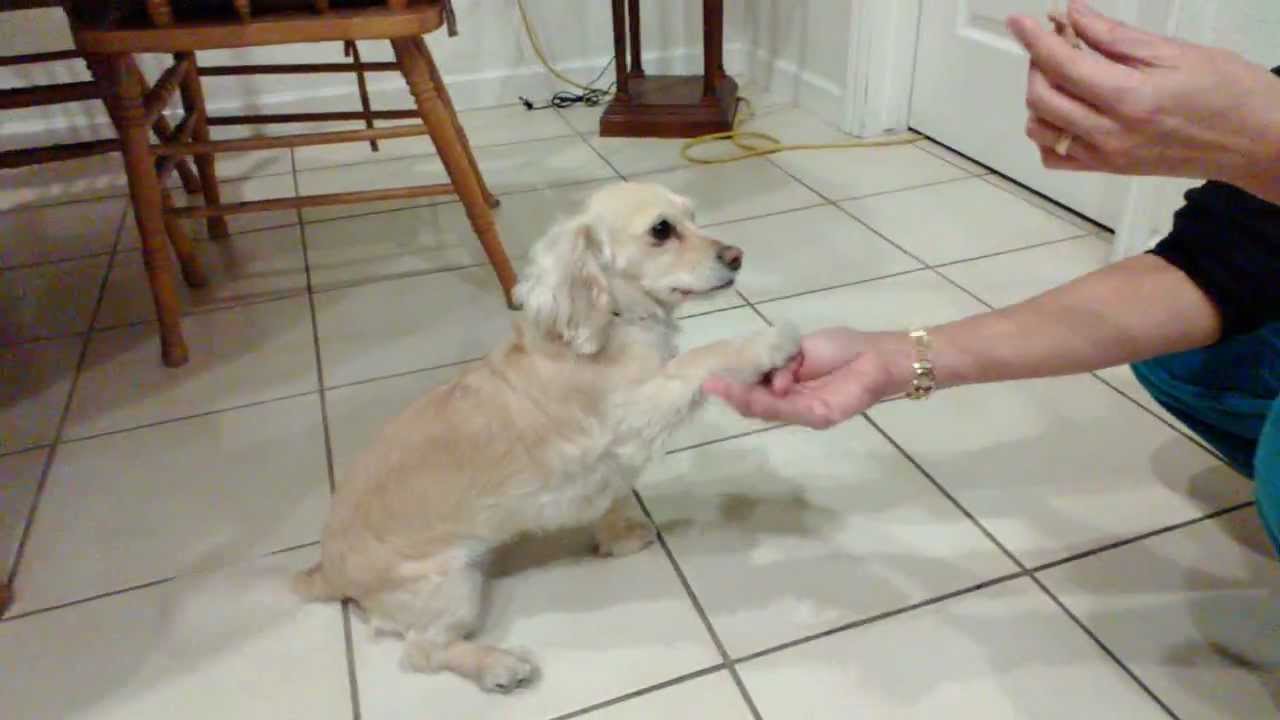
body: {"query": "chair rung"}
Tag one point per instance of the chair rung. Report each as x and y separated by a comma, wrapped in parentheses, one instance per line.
(166, 85)
(306, 201)
(15, 98)
(285, 118)
(24, 157)
(294, 69)
(267, 143)
(34, 58)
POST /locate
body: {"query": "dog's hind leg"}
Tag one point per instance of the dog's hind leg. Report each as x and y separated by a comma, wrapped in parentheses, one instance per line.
(448, 608)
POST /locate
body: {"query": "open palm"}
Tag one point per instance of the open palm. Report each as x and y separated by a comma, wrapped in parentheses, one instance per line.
(839, 373)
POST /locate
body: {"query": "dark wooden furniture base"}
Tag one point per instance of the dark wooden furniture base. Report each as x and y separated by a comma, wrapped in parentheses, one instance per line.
(669, 106)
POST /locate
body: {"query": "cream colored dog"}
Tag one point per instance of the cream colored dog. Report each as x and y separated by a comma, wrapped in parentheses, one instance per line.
(549, 431)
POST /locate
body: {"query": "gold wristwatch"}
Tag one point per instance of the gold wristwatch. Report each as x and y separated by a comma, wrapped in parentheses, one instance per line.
(923, 381)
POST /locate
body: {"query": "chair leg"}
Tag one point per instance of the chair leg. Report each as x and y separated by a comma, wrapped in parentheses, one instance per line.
(162, 130)
(414, 59)
(193, 102)
(126, 106)
(188, 260)
(490, 199)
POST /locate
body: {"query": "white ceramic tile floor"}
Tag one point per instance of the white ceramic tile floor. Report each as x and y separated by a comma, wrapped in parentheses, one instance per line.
(778, 535)
(248, 267)
(958, 220)
(508, 168)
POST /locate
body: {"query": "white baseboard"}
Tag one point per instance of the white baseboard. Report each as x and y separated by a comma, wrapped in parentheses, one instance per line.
(784, 80)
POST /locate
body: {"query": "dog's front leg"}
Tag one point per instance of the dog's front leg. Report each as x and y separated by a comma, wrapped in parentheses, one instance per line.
(658, 405)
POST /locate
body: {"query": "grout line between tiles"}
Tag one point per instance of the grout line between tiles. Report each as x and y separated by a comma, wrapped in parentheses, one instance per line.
(1103, 646)
(168, 421)
(987, 171)
(973, 519)
(861, 622)
(1172, 426)
(89, 599)
(1144, 536)
(29, 521)
(353, 682)
(1073, 218)
(57, 261)
(725, 657)
(443, 203)
(432, 154)
(1025, 570)
(138, 586)
(648, 689)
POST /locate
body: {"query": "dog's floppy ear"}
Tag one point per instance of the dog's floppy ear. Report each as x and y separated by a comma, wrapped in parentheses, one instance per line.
(564, 291)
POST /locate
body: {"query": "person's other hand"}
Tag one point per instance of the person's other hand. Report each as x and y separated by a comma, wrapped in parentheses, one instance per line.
(1146, 104)
(839, 373)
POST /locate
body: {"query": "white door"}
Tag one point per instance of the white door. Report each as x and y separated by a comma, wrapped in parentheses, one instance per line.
(969, 93)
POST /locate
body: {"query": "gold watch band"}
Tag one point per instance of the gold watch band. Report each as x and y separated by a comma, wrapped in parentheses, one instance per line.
(923, 380)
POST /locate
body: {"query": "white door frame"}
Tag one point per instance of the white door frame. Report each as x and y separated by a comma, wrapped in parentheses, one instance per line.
(877, 99)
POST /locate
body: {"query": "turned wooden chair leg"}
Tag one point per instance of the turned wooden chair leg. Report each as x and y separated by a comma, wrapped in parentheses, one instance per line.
(489, 198)
(188, 261)
(126, 105)
(193, 102)
(415, 65)
(163, 129)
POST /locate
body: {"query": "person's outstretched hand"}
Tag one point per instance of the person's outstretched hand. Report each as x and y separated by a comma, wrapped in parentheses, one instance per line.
(839, 373)
(1148, 105)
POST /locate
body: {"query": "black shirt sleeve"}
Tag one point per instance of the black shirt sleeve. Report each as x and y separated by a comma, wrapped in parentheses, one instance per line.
(1228, 242)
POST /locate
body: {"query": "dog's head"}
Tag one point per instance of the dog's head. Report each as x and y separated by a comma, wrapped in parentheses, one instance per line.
(632, 242)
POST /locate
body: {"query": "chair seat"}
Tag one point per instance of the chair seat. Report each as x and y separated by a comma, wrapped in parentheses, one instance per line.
(135, 33)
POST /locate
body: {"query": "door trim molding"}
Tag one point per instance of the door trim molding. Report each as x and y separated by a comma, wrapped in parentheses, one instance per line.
(880, 66)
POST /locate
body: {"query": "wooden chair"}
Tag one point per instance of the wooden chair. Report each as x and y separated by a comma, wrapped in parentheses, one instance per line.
(43, 95)
(109, 34)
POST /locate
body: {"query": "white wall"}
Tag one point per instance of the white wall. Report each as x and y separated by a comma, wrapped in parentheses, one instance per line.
(489, 63)
(799, 50)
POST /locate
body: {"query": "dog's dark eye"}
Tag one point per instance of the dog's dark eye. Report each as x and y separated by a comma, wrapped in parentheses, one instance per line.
(662, 231)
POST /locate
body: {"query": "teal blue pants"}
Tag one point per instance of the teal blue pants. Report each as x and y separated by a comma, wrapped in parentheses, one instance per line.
(1229, 395)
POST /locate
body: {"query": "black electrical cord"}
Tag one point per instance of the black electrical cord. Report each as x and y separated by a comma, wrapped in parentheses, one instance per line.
(566, 98)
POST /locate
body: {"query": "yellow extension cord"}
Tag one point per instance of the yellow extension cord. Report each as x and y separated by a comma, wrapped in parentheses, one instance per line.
(736, 136)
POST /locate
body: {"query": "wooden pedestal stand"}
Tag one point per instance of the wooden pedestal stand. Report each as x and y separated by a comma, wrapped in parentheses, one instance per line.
(669, 106)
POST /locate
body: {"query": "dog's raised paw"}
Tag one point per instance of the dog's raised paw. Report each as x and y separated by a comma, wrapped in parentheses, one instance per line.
(777, 346)
(506, 672)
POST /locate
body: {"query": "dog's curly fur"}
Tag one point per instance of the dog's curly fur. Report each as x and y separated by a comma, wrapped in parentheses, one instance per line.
(550, 430)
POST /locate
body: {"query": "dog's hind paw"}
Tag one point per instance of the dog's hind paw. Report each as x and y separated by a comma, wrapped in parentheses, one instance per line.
(506, 672)
(626, 538)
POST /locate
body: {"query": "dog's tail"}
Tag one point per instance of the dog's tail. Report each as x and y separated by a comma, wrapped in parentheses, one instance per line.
(311, 585)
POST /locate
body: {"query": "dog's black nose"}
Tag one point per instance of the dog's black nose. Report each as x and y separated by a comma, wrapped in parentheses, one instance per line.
(731, 256)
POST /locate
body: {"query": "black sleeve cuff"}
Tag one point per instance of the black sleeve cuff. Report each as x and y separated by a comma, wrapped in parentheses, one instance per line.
(1228, 242)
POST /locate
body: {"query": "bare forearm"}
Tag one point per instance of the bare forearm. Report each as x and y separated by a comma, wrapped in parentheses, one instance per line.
(1133, 310)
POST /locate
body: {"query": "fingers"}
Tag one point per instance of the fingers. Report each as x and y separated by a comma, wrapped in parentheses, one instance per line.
(1066, 112)
(759, 402)
(1080, 154)
(1117, 40)
(1097, 80)
(784, 378)
(819, 405)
